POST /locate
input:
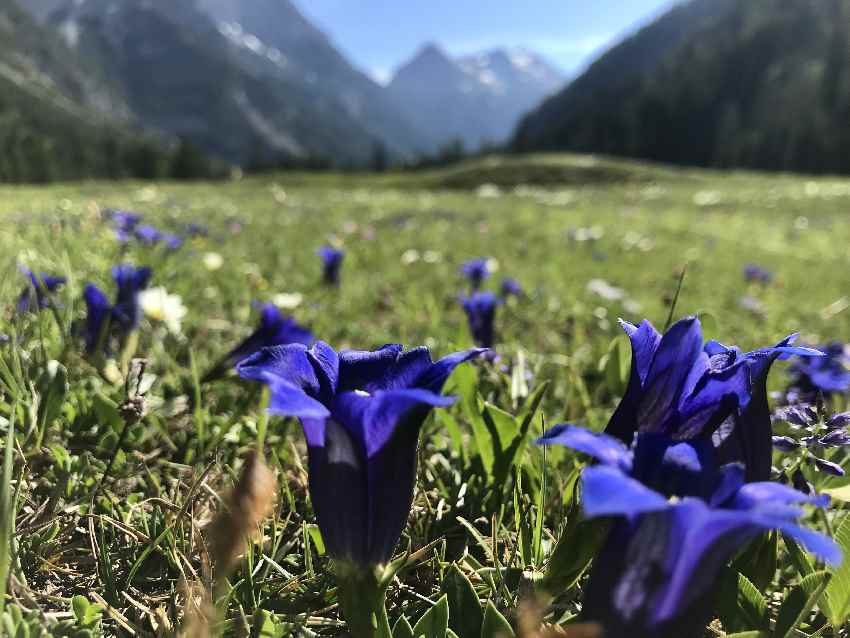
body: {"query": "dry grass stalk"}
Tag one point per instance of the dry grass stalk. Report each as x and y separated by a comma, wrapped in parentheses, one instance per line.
(247, 505)
(530, 624)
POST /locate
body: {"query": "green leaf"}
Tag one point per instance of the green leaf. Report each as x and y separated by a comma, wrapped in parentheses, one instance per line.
(465, 615)
(798, 557)
(86, 613)
(742, 606)
(495, 625)
(434, 622)
(616, 364)
(107, 412)
(579, 543)
(266, 625)
(758, 562)
(799, 603)
(53, 387)
(838, 590)
(402, 628)
(316, 538)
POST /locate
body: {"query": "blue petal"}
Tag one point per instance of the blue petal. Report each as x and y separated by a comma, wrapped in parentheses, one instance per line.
(754, 495)
(435, 376)
(288, 362)
(602, 447)
(679, 350)
(371, 370)
(374, 419)
(606, 491)
(296, 388)
(288, 399)
(98, 311)
(714, 397)
(338, 491)
(645, 340)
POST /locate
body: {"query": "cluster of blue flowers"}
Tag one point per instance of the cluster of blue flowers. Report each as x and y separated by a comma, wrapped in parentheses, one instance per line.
(682, 470)
(128, 225)
(106, 320)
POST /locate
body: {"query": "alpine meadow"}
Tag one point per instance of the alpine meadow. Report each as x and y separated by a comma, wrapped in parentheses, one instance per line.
(291, 349)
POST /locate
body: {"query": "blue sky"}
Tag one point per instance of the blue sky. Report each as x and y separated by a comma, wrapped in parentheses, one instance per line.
(379, 34)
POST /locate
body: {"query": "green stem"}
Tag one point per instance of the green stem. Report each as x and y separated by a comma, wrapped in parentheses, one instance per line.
(263, 423)
(362, 599)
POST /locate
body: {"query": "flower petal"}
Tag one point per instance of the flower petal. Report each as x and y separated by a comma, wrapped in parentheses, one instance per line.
(608, 492)
(434, 377)
(602, 447)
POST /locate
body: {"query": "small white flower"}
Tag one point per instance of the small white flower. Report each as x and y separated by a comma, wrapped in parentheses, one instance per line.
(605, 290)
(410, 256)
(288, 300)
(158, 305)
(213, 261)
(431, 257)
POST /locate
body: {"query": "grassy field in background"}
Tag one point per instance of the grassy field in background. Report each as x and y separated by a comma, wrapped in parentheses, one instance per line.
(590, 240)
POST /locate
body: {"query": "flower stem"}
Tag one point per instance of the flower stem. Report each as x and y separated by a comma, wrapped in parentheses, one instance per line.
(263, 423)
(362, 600)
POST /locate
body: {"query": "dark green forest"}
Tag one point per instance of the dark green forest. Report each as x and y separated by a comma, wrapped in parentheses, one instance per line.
(721, 83)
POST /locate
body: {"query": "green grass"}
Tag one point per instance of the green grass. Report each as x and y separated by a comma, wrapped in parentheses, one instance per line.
(555, 223)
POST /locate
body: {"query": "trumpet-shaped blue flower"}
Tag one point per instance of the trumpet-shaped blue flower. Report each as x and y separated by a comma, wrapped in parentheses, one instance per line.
(121, 318)
(124, 223)
(35, 295)
(331, 264)
(148, 235)
(476, 270)
(125, 219)
(511, 288)
(361, 413)
(680, 517)
(756, 274)
(275, 329)
(480, 308)
(685, 389)
(172, 242)
(827, 375)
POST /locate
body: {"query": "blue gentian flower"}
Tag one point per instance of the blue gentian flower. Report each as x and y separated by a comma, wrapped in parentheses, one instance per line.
(122, 317)
(331, 263)
(361, 413)
(275, 329)
(476, 270)
(125, 219)
(757, 274)
(480, 308)
(172, 242)
(34, 296)
(124, 223)
(98, 316)
(681, 387)
(148, 234)
(511, 288)
(679, 518)
(827, 375)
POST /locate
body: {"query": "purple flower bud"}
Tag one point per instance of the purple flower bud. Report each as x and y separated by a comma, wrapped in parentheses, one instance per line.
(828, 467)
(801, 415)
(785, 443)
(800, 483)
(840, 420)
(835, 438)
